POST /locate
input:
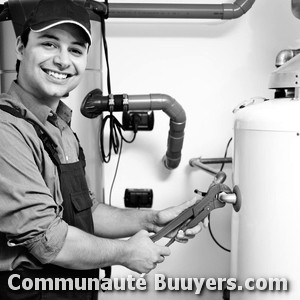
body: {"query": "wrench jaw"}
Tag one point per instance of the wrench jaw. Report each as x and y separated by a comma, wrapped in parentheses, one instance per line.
(206, 205)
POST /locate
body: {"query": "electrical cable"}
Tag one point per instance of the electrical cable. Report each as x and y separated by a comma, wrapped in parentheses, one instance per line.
(115, 175)
(105, 48)
(115, 127)
(225, 155)
(116, 137)
(209, 226)
(213, 237)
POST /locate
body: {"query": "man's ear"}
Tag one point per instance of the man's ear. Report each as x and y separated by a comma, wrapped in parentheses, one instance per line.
(19, 48)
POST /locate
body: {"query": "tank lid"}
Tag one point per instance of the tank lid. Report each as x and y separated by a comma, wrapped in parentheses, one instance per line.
(271, 115)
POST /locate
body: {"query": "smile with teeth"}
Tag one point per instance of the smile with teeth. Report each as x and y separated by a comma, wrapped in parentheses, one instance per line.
(56, 75)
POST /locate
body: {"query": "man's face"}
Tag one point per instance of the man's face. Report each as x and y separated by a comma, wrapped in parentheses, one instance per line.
(53, 62)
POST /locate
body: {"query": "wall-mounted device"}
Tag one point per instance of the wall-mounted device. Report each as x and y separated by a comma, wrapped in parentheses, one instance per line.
(138, 120)
(138, 198)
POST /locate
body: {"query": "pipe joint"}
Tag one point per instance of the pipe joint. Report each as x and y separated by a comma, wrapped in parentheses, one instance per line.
(169, 106)
(236, 9)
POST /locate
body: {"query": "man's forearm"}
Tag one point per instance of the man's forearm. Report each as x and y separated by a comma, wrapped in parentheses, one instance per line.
(85, 251)
(114, 222)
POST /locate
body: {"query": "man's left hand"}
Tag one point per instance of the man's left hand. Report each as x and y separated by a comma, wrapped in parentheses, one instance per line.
(163, 217)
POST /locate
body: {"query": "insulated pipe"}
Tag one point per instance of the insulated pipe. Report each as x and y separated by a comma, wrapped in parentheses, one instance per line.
(95, 104)
(180, 11)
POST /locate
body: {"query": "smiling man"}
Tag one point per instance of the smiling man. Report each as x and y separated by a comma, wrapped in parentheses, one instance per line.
(50, 226)
(55, 59)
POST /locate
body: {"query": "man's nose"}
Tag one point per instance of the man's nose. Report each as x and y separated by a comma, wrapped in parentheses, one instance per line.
(62, 59)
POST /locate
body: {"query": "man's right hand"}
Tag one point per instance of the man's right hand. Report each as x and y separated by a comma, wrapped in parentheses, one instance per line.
(141, 254)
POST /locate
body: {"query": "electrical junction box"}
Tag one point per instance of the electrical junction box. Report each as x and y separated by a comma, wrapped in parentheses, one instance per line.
(138, 120)
(137, 198)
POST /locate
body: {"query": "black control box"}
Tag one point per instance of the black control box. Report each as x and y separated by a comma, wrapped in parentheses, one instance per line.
(138, 120)
(138, 198)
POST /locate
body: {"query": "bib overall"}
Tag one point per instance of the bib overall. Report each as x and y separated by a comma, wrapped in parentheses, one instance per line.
(77, 212)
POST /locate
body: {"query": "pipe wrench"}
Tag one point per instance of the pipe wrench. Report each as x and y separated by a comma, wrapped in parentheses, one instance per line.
(196, 213)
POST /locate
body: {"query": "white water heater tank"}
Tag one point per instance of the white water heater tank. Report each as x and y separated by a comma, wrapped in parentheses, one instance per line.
(266, 231)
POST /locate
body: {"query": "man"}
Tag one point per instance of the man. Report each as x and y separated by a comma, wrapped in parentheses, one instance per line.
(49, 226)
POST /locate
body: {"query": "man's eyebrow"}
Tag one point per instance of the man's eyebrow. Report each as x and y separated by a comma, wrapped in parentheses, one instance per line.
(50, 36)
(82, 44)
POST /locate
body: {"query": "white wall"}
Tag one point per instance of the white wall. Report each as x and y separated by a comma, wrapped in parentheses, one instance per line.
(209, 67)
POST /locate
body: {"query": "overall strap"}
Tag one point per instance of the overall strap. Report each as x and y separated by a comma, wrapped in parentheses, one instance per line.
(15, 111)
(49, 145)
(81, 155)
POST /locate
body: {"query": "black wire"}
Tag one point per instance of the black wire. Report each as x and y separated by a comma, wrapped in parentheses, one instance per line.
(107, 8)
(116, 171)
(213, 237)
(105, 47)
(225, 155)
(115, 138)
(209, 226)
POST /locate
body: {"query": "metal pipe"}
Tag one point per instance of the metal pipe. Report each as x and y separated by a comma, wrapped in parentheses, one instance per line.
(227, 11)
(223, 160)
(196, 162)
(220, 176)
(19, 10)
(228, 198)
(95, 104)
(285, 55)
(180, 11)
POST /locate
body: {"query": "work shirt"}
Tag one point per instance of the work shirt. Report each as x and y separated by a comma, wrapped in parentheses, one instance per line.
(32, 231)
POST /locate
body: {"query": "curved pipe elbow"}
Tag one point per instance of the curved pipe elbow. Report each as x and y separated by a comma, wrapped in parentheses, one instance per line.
(169, 106)
(285, 55)
(236, 9)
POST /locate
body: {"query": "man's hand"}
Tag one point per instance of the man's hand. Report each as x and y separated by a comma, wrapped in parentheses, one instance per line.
(163, 217)
(141, 254)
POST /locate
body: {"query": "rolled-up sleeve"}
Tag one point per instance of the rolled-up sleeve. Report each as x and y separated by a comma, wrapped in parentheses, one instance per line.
(30, 216)
(47, 245)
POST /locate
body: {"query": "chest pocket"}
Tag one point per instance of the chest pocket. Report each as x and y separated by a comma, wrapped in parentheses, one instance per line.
(77, 202)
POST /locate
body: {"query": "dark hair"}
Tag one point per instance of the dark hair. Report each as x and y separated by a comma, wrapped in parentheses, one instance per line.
(24, 39)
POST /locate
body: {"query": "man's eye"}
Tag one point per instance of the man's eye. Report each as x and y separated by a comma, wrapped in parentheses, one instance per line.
(48, 45)
(76, 52)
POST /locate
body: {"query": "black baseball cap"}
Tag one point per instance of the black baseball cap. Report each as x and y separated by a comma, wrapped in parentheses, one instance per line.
(50, 13)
